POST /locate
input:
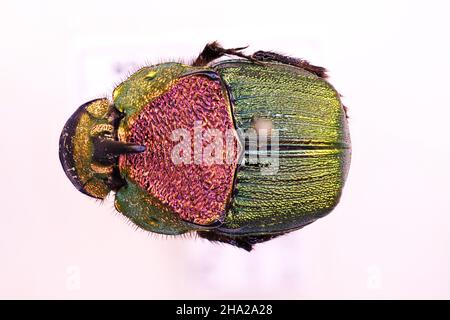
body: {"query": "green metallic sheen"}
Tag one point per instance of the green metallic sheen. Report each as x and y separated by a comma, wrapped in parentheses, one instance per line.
(268, 89)
(130, 97)
(144, 86)
(312, 122)
(148, 212)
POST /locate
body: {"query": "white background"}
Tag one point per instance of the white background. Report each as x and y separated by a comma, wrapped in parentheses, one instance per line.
(388, 238)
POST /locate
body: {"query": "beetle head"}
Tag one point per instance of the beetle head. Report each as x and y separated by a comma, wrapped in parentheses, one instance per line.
(89, 148)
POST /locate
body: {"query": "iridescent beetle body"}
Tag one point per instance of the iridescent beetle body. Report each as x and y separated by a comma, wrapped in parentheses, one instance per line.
(128, 146)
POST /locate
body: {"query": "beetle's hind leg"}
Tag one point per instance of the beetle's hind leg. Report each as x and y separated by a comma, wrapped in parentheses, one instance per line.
(297, 62)
(243, 242)
(214, 50)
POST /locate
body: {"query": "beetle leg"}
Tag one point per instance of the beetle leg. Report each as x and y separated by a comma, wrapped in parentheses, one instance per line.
(214, 50)
(243, 242)
(297, 62)
(106, 151)
(115, 180)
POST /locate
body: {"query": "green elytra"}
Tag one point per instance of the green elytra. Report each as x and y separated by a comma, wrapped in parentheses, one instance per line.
(314, 147)
(313, 154)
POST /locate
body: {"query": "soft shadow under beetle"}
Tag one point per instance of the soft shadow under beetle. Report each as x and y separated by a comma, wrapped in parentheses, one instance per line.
(182, 146)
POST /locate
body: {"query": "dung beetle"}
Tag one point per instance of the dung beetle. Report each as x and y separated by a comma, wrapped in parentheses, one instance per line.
(239, 150)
